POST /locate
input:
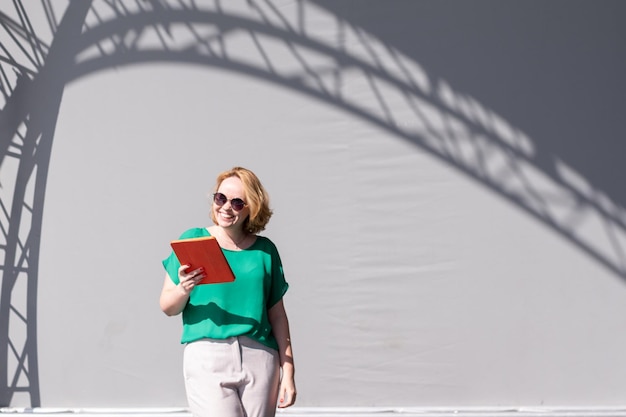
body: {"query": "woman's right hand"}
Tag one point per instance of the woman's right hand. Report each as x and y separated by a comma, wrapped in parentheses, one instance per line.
(174, 297)
(188, 280)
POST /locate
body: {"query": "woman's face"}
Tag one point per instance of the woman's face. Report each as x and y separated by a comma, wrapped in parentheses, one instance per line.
(225, 215)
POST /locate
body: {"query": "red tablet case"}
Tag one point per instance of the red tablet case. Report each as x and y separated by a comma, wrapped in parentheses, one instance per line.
(204, 252)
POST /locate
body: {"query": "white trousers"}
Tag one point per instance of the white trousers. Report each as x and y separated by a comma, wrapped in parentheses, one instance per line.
(234, 377)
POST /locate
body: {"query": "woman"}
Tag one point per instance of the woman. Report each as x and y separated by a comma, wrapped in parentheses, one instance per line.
(237, 333)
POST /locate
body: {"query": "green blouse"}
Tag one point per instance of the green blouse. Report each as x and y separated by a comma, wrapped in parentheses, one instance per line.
(236, 308)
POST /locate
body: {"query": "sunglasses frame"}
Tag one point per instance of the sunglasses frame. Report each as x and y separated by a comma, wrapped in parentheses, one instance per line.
(233, 201)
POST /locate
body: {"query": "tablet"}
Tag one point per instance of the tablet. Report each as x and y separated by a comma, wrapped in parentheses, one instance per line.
(204, 252)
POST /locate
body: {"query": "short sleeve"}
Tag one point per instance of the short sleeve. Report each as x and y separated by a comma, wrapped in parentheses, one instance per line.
(279, 285)
(171, 265)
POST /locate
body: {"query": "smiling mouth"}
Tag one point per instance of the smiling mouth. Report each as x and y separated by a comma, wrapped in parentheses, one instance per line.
(226, 216)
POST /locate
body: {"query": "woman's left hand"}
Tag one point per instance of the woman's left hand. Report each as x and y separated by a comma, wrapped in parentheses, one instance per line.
(287, 392)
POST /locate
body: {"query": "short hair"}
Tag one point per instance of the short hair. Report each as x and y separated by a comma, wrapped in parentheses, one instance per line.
(255, 196)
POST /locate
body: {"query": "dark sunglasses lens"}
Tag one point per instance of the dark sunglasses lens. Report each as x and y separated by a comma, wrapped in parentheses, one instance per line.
(237, 204)
(219, 199)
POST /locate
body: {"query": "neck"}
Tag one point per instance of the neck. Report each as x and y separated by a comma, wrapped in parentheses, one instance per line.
(236, 236)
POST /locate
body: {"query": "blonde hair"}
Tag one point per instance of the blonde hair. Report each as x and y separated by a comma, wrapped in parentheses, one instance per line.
(255, 197)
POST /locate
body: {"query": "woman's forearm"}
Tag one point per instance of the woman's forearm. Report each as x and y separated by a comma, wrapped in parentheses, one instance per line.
(173, 299)
(280, 328)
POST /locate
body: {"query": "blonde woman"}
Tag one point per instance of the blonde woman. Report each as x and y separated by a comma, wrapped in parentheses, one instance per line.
(238, 358)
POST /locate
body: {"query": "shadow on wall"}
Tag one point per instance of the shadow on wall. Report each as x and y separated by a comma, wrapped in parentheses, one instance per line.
(369, 66)
(27, 122)
(553, 69)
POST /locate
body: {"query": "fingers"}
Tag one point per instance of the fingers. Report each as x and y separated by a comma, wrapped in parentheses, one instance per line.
(196, 274)
(182, 270)
(188, 280)
(287, 397)
(284, 403)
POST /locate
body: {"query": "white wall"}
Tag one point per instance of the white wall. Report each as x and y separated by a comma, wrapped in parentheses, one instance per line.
(412, 283)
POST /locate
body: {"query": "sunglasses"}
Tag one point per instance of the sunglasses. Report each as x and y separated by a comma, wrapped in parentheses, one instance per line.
(236, 203)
